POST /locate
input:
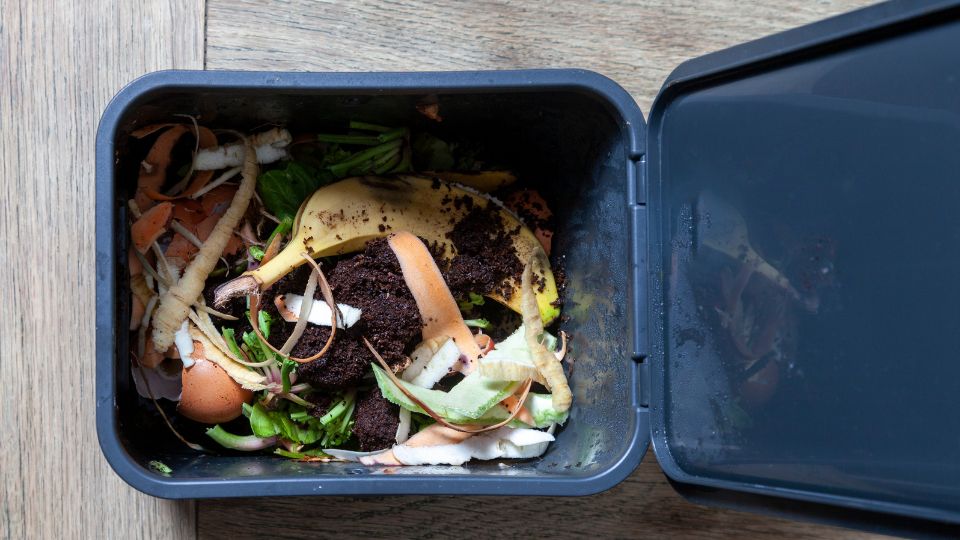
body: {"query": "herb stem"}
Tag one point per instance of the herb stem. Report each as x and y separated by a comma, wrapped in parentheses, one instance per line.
(363, 140)
(341, 169)
(363, 126)
(246, 443)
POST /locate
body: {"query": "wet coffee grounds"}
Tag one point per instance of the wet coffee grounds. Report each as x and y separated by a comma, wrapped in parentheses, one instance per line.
(373, 282)
(376, 421)
(486, 261)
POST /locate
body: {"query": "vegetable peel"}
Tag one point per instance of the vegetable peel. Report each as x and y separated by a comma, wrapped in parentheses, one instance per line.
(176, 301)
(546, 361)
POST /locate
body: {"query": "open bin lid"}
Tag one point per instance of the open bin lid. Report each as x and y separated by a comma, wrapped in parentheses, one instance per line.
(803, 237)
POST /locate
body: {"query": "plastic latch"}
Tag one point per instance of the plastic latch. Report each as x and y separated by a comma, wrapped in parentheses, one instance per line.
(638, 266)
(637, 188)
(644, 383)
(637, 180)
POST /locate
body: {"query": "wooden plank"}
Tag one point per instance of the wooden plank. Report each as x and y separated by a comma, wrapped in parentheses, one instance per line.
(635, 43)
(61, 63)
(643, 506)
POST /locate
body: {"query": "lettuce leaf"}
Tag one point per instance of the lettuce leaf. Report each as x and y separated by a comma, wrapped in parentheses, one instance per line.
(284, 190)
(467, 401)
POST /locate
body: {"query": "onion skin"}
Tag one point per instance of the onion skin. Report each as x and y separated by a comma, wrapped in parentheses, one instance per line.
(210, 395)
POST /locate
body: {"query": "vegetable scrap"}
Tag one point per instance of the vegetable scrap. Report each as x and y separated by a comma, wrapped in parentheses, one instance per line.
(356, 295)
(160, 467)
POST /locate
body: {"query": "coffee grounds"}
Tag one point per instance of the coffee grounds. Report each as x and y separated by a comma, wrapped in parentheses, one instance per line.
(486, 261)
(373, 282)
(321, 402)
(376, 421)
(530, 207)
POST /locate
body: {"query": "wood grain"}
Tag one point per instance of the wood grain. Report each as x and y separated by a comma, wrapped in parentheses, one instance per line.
(60, 63)
(635, 43)
(643, 506)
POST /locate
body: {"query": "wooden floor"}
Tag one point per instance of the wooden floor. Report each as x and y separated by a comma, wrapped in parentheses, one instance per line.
(60, 62)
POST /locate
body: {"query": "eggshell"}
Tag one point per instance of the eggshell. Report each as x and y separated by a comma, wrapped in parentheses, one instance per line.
(210, 395)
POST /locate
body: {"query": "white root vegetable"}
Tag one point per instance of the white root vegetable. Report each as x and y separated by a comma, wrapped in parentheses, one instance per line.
(184, 344)
(547, 363)
(176, 301)
(223, 178)
(289, 307)
(205, 324)
(442, 363)
(504, 442)
(403, 428)
(421, 356)
(350, 455)
(269, 146)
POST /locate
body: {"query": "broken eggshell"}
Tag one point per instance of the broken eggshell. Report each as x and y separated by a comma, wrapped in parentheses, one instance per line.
(210, 395)
(162, 384)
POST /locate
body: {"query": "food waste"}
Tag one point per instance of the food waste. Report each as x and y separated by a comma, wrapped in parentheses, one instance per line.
(367, 294)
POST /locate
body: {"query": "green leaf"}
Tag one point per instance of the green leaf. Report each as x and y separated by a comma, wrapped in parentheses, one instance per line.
(431, 153)
(478, 323)
(282, 228)
(285, 369)
(336, 410)
(161, 467)
(300, 416)
(312, 452)
(284, 190)
(541, 408)
(256, 347)
(289, 454)
(239, 442)
(286, 426)
(256, 252)
(253, 346)
(230, 337)
(472, 301)
(261, 423)
(266, 321)
(468, 400)
(334, 155)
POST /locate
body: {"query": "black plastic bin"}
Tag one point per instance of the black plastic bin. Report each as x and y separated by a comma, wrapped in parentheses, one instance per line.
(811, 374)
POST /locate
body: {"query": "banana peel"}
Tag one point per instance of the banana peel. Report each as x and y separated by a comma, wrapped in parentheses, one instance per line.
(342, 217)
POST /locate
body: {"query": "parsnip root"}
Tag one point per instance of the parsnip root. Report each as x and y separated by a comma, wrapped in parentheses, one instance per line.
(175, 302)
